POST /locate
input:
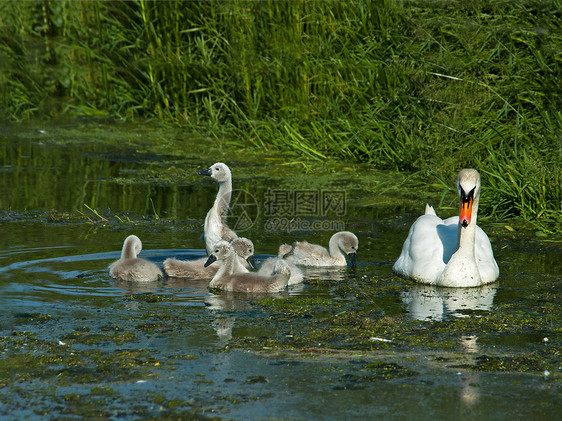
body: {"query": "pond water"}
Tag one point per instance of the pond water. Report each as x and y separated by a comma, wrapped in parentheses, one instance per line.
(350, 344)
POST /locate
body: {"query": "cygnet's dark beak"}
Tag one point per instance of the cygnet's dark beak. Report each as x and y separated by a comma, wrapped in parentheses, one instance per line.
(210, 260)
(353, 257)
(251, 262)
(205, 172)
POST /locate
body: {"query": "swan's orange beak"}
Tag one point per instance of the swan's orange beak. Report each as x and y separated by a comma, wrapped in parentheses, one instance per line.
(466, 207)
(466, 212)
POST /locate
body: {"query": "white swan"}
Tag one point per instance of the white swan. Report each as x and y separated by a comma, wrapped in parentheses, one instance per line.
(454, 252)
(228, 278)
(195, 269)
(303, 253)
(131, 268)
(216, 228)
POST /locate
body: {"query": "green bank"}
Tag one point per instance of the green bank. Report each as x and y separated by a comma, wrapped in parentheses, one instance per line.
(411, 86)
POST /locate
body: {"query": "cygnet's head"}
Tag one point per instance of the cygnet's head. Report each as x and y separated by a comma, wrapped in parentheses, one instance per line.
(348, 244)
(219, 172)
(468, 186)
(244, 248)
(131, 247)
(221, 250)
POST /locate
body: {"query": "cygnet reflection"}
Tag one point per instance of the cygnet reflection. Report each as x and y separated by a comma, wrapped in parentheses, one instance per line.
(136, 287)
(325, 273)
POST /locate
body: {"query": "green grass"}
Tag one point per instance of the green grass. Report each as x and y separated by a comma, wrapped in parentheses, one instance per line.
(416, 86)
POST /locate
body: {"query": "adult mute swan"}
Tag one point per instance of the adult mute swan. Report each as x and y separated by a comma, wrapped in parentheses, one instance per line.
(216, 228)
(131, 268)
(195, 269)
(454, 252)
(305, 254)
(228, 279)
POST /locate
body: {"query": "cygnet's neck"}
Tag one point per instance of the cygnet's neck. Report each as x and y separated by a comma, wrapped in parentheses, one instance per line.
(222, 201)
(216, 217)
(334, 248)
(336, 253)
(227, 265)
(128, 251)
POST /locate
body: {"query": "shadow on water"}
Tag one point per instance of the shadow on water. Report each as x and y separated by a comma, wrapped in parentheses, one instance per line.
(345, 344)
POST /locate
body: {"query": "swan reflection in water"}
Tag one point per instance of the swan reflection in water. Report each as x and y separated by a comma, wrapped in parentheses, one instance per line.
(427, 302)
(430, 303)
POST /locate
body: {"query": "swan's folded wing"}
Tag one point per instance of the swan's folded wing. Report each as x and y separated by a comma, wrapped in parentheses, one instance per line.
(487, 265)
(422, 256)
(429, 210)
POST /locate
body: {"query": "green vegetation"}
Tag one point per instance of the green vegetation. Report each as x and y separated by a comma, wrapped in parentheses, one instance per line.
(358, 318)
(428, 87)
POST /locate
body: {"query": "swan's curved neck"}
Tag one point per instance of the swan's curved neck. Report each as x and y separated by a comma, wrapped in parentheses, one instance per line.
(467, 235)
(466, 239)
(461, 269)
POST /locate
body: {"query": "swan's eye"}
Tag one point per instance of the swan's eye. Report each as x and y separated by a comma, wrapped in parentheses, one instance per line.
(217, 169)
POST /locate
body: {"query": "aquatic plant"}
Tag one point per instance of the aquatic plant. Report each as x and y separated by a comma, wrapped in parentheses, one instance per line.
(427, 87)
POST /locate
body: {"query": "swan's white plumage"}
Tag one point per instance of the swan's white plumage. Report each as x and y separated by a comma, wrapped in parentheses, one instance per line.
(446, 253)
(430, 244)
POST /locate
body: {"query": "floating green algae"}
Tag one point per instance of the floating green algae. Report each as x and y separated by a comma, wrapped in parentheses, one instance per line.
(361, 323)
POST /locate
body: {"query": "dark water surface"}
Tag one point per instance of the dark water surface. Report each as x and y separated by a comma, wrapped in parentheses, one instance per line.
(75, 344)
